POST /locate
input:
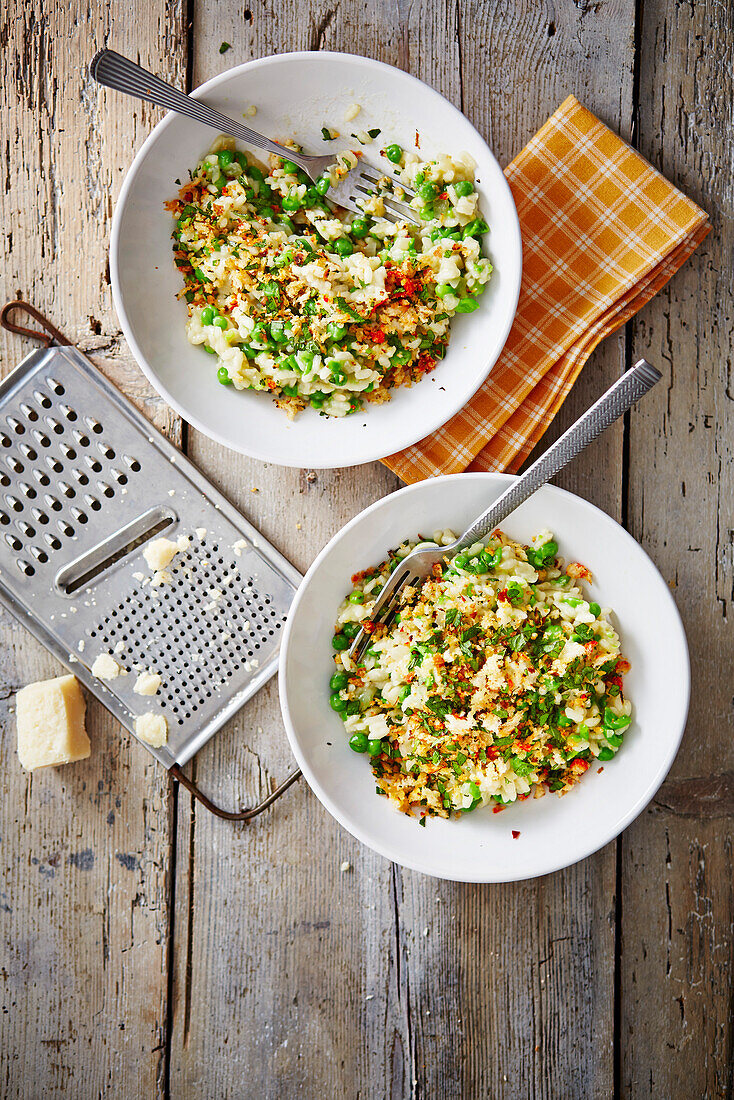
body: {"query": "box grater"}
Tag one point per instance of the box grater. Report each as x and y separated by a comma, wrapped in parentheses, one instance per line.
(85, 483)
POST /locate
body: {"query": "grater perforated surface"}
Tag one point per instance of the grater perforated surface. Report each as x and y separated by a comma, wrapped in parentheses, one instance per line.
(83, 477)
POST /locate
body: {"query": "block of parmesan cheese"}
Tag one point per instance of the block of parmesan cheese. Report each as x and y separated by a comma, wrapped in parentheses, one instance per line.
(50, 717)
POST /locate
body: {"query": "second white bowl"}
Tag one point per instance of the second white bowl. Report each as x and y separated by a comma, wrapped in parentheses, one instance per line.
(552, 832)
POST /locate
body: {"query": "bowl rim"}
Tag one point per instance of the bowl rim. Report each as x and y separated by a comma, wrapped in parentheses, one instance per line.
(664, 763)
(190, 416)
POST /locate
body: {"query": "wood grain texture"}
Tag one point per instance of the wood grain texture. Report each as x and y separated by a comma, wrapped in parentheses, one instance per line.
(288, 975)
(307, 951)
(528, 968)
(678, 898)
(84, 905)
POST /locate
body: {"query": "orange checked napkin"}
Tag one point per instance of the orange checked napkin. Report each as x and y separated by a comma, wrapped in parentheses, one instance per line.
(602, 232)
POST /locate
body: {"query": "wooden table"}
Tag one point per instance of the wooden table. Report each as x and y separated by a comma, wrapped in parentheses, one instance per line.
(149, 949)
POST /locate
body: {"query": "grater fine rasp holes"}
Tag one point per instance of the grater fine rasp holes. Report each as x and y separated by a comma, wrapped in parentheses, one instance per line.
(70, 446)
(175, 631)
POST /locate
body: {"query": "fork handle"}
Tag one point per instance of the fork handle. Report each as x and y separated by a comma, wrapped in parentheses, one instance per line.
(118, 72)
(614, 403)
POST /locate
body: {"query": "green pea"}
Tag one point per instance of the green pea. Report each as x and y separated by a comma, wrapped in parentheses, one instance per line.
(323, 183)
(223, 376)
(343, 246)
(595, 610)
(340, 642)
(225, 158)
(428, 192)
(394, 154)
(338, 681)
(353, 707)
(476, 228)
(358, 742)
(427, 213)
(317, 399)
(460, 561)
(443, 289)
(258, 334)
(336, 331)
(277, 332)
(467, 305)
(221, 322)
(463, 188)
(359, 228)
(374, 747)
(291, 202)
(337, 703)
(288, 166)
(290, 391)
(606, 754)
(210, 350)
(356, 596)
(251, 353)
(351, 630)
(207, 315)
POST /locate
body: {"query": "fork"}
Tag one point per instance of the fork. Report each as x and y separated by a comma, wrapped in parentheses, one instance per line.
(115, 71)
(418, 564)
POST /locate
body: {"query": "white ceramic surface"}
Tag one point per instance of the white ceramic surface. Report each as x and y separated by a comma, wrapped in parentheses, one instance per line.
(554, 831)
(296, 94)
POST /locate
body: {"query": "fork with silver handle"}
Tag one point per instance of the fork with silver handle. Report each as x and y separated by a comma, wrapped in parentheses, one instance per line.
(418, 564)
(115, 71)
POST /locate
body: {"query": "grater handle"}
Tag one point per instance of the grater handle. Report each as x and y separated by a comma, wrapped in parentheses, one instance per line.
(232, 815)
(51, 335)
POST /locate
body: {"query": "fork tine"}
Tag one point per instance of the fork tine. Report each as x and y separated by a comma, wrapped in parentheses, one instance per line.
(374, 175)
(401, 209)
(397, 208)
(384, 603)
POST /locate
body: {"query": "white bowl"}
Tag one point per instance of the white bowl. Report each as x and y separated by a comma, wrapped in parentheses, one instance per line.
(554, 831)
(295, 95)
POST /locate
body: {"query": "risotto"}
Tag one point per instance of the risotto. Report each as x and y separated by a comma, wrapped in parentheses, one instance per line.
(499, 679)
(319, 309)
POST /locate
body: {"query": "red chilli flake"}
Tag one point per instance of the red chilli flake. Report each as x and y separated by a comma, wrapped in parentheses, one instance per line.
(502, 596)
(515, 834)
(497, 809)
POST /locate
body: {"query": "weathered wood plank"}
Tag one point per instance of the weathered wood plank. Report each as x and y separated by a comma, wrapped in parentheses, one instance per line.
(306, 961)
(84, 908)
(508, 957)
(677, 901)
